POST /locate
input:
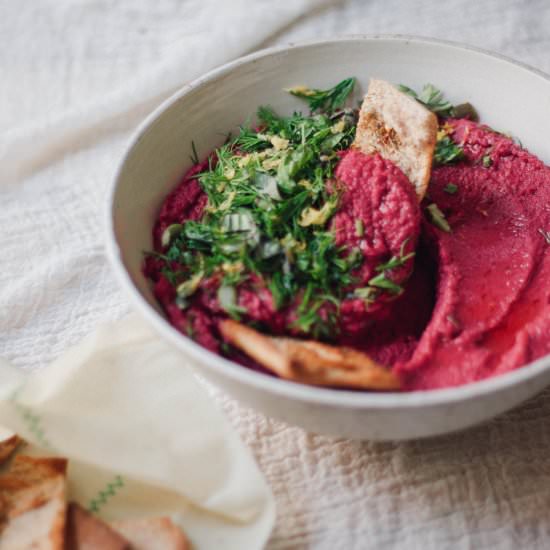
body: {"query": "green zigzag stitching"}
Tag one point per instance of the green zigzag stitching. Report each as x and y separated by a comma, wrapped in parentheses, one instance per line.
(111, 489)
(33, 422)
(34, 425)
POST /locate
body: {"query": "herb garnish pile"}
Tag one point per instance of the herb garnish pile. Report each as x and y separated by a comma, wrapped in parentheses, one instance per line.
(268, 212)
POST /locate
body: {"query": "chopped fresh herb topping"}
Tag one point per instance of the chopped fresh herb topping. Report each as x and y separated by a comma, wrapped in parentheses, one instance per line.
(359, 228)
(447, 151)
(325, 100)
(268, 214)
(486, 161)
(438, 218)
(451, 188)
(382, 281)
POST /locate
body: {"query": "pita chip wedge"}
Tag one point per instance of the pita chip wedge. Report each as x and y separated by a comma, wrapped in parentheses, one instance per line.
(152, 534)
(323, 365)
(34, 505)
(400, 129)
(310, 362)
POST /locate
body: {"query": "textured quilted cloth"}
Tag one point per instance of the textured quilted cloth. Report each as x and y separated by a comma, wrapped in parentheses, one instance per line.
(76, 78)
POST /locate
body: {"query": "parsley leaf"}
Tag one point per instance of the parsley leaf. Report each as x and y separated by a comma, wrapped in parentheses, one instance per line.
(431, 98)
(451, 188)
(438, 218)
(447, 151)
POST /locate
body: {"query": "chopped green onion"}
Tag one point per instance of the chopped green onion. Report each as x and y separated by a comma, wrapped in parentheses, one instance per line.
(227, 296)
(269, 249)
(447, 151)
(395, 261)
(189, 287)
(240, 221)
(438, 218)
(169, 233)
(381, 281)
(181, 302)
(230, 247)
(451, 188)
(367, 293)
(268, 185)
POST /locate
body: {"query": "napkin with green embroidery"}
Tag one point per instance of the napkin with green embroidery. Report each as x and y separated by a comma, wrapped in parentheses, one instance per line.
(142, 437)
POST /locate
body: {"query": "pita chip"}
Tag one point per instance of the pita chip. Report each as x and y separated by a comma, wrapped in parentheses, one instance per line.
(400, 129)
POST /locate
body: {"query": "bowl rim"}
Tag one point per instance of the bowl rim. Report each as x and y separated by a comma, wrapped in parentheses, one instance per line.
(224, 367)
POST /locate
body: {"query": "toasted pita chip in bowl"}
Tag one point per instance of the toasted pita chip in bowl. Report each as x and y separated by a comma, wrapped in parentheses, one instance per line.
(400, 129)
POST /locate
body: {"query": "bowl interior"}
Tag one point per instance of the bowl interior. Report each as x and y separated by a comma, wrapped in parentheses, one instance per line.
(509, 97)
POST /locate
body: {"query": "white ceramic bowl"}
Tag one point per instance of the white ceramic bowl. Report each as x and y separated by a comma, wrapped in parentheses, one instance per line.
(508, 95)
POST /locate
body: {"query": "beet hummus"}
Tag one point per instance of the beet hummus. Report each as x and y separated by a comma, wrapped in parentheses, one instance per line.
(446, 291)
(492, 303)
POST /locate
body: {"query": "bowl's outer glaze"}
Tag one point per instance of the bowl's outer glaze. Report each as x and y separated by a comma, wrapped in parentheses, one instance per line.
(512, 97)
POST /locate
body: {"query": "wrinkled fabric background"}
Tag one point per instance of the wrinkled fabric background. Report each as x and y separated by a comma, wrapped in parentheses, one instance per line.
(77, 77)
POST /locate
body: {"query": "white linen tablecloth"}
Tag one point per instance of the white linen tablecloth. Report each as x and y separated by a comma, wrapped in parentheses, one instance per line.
(77, 77)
